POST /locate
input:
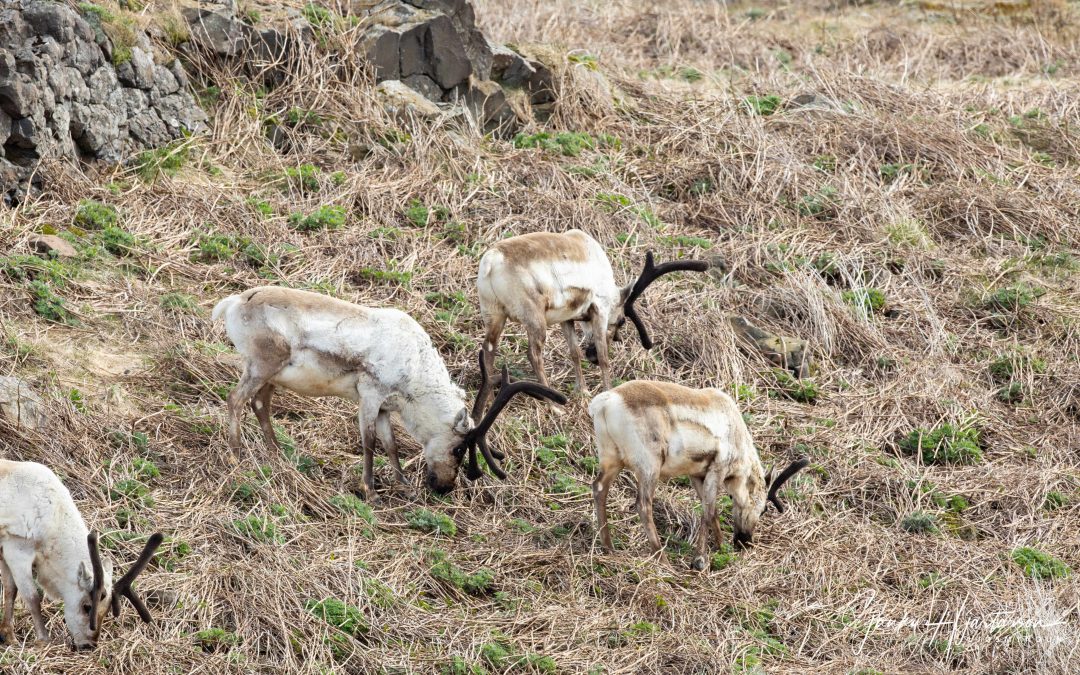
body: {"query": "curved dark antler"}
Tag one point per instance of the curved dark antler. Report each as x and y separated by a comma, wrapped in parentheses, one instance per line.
(123, 586)
(648, 275)
(792, 469)
(99, 577)
(477, 436)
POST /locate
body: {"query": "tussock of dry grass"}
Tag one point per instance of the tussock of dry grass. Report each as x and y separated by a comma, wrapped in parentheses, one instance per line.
(940, 169)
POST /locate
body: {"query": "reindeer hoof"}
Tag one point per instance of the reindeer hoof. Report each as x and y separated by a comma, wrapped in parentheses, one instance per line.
(699, 563)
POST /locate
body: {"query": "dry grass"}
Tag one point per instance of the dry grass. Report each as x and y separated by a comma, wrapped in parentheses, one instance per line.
(941, 170)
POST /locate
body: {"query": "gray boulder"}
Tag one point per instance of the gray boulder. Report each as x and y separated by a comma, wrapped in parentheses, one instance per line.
(62, 97)
(20, 405)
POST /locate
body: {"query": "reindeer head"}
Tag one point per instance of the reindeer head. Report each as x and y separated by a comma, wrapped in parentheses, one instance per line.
(442, 476)
(745, 518)
(628, 294)
(97, 593)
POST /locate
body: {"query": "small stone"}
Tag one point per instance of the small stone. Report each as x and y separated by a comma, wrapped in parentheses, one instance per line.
(400, 100)
(51, 244)
(20, 405)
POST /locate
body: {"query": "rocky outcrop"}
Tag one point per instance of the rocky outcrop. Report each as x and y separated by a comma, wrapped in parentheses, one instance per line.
(432, 47)
(69, 90)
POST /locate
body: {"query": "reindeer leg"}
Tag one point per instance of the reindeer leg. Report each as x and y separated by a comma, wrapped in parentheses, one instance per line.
(261, 405)
(495, 324)
(712, 491)
(537, 333)
(7, 630)
(701, 542)
(385, 433)
(370, 408)
(601, 487)
(20, 565)
(575, 356)
(599, 322)
(272, 358)
(646, 488)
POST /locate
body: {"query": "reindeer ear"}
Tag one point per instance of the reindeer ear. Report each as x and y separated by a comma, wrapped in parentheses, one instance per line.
(770, 473)
(462, 423)
(85, 577)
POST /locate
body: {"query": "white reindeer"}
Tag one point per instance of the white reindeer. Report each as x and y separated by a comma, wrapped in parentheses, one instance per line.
(659, 430)
(43, 537)
(547, 278)
(381, 358)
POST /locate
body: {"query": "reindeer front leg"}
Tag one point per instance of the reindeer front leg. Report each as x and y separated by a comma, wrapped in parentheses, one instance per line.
(599, 321)
(646, 488)
(575, 355)
(370, 406)
(7, 630)
(707, 490)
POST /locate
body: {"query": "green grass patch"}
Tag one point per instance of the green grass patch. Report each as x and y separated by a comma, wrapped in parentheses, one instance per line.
(762, 105)
(259, 529)
(166, 160)
(50, 306)
(477, 583)
(1012, 298)
(346, 618)
(429, 521)
(946, 444)
(132, 492)
(326, 217)
(869, 300)
(920, 522)
(568, 143)
(1039, 565)
(215, 639)
(801, 390)
(95, 215)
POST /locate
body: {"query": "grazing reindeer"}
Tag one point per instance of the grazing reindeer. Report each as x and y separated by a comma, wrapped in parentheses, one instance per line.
(660, 430)
(316, 345)
(546, 278)
(43, 538)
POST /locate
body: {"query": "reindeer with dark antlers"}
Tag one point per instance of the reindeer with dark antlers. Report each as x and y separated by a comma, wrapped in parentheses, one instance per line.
(380, 358)
(546, 278)
(43, 538)
(660, 430)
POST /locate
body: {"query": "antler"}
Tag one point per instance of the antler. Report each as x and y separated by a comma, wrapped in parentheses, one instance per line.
(477, 436)
(648, 275)
(123, 586)
(99, 577)
(791, 470)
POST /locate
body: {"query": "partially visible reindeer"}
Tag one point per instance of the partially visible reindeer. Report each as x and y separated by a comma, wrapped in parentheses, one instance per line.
(43, 538)
(381, 358)
(547, 278)
(660, 430)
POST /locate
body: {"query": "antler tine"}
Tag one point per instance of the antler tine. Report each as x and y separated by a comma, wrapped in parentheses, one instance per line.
(99, 577)
(649, 274)
(477, 437)
(123, 586)
(791, 470)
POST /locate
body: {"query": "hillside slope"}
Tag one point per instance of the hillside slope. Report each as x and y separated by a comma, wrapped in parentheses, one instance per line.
(896, 183)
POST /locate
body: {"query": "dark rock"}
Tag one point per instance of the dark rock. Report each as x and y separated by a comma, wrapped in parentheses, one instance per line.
(60, 95)
(509, 68)
(216, 30)
(488, 103)
(425, 86)
(52, 244)
(382, 47)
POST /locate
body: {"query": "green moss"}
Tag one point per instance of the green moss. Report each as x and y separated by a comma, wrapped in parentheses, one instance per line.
(213, 247)
(920, 522)
(215, 639)
(132, 492)
(428, 521)
(1054, 500)
(1039, 565)
(117, 241)
(1012, 298)
(477, 583)
(346, 618)
(50, 306)
(351, 505)
(259, 529)
(304, 178)
(803, 391)
(762, 105)
(94, 215)
(947, 444)
(325, 217)
(870, 300)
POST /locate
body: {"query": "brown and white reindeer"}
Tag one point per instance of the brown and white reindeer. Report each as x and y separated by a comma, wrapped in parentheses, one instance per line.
(43, 538)
(547, 278)
(660, 430)
(380, 358)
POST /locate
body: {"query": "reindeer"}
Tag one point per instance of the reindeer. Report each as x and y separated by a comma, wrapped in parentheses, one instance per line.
(660, 430)
(43, 538)
(546, 278)
(380, 358)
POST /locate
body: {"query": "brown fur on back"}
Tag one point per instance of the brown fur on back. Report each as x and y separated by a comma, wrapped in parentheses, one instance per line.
(537, 246)
(640, 395)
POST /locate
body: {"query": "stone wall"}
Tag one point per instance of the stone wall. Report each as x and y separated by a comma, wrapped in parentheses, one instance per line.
(62, 96)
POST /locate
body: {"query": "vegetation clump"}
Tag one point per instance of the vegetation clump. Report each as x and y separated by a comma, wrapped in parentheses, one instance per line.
(946, 444)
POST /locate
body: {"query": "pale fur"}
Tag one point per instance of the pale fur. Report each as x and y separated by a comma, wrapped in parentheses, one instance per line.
(43, 536)
(705, 439)
(542, 291)
(381, 358)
